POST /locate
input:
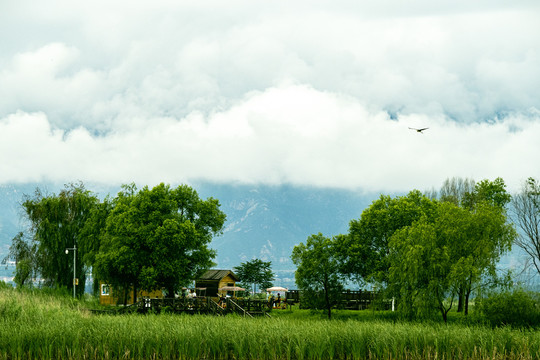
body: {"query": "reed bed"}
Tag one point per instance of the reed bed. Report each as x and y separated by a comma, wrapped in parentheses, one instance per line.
(40, 327)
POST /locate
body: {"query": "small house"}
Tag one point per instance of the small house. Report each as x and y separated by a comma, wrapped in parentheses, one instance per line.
(213, 280)
(110, 296)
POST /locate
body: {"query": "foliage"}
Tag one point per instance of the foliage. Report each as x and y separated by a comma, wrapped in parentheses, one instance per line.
(255, 273)
(433, 258)
(93, 231)
(56, 224)
(363, 252)
(516, 308)
(422, 271)
(318, 272)
(157, 238)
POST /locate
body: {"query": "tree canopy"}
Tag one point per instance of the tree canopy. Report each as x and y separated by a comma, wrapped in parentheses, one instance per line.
(318, 273)
(255, 273)
(426, 251)
(157, 238)
(433, 259)
(56, 223)
(363, 252)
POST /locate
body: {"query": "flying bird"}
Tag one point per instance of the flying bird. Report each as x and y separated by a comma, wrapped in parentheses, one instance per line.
(419, 130)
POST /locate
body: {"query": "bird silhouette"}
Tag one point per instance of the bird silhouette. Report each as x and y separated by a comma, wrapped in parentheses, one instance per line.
(418, 130)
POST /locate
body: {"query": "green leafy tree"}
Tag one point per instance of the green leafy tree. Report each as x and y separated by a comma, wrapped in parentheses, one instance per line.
(157, 238)
(457, 249)
(318, 272)
(472, 196)
(421, 274)
(487, 204)
(93, 231)
(56, 223)
(255, 273)
(363, 252)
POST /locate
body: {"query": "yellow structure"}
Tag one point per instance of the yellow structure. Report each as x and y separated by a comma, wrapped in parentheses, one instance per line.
(108, 295)
(213, 280)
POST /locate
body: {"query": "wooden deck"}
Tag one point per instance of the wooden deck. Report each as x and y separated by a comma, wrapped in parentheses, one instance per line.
(200, 305)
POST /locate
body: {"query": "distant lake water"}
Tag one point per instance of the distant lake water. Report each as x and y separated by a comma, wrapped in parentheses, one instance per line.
(7, 272)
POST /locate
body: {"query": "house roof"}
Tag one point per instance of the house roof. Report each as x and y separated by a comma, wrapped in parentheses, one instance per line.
(218, 275)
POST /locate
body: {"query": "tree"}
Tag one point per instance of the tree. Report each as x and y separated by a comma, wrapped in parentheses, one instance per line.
(434, 259)
(472, 196)
(92, 233)
(56, 224)
(255, 272)
(526, 215)
(318, 272)
(490, 236)
(23, 252)
(363, 252)
(158, 238)
(422, 271)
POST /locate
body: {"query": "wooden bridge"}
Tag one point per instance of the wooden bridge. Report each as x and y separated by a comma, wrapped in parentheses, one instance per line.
(200, 305)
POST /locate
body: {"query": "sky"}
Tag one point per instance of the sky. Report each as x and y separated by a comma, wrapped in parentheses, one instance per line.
(307, 93)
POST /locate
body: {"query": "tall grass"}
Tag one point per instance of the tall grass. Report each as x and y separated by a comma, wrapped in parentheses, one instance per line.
(45, 327)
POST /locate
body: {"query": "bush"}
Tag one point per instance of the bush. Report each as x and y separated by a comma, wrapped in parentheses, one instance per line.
(518, 308)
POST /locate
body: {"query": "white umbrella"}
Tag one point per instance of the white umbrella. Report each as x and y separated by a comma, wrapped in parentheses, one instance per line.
(276, 288)
(231, 288)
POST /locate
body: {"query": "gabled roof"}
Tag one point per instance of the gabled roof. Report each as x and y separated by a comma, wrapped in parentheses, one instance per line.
(218, 275)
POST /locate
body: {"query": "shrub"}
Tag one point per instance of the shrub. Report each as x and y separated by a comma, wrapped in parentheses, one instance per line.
(518, 308)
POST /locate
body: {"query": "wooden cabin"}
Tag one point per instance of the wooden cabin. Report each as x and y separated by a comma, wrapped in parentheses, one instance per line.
(213, 280)
(108, 295)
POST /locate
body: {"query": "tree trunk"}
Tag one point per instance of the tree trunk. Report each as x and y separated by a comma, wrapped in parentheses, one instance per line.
(460, 300)
(467, 302)
(328, 305)
(467, 294)
(327, 299)
(134, 293)
(444, 312)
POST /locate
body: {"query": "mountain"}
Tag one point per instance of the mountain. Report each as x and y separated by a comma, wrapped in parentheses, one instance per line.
(267, 222)
(263, 222)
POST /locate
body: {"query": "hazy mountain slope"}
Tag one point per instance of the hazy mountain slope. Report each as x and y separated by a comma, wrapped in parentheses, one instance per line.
(266, 222)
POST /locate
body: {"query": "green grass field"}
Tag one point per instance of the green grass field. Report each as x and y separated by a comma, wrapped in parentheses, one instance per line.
(41, 326)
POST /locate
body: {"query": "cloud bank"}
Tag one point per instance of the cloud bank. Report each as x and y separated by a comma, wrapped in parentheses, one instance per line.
(308, 94)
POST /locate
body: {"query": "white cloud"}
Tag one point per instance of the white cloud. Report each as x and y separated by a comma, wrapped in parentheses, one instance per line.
(292, 134)
(307, 93)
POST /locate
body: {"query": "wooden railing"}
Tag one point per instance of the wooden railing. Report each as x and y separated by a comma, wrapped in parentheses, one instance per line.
(234, 307)
(215, 308)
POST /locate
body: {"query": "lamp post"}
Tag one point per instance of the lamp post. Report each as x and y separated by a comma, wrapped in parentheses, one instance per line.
(74, 248)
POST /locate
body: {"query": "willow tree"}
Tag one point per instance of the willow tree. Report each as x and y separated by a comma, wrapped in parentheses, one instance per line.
(363, 252)
(434, 260)
(56, 224)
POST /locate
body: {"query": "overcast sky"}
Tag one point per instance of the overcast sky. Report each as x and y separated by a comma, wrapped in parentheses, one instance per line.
(299, 92)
